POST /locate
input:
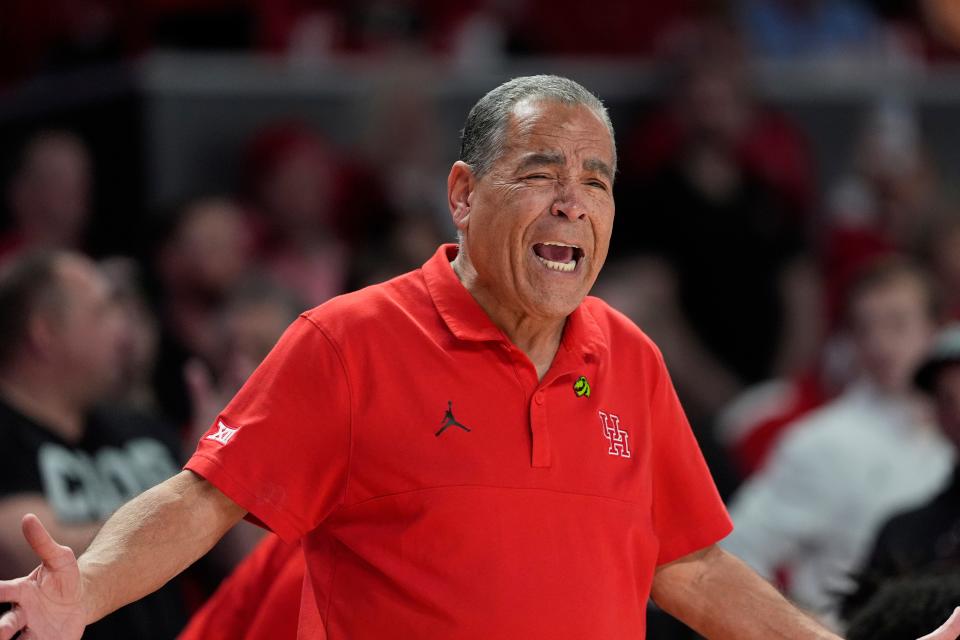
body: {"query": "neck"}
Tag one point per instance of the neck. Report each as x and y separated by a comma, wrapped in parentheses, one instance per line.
(34, 400)
(538, 337)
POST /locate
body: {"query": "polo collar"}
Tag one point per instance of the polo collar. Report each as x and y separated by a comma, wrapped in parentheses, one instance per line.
(467, 320)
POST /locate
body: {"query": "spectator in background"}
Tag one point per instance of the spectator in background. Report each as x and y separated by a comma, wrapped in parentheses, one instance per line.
(845, 468)
(750, 425)
(49, 195)
(886, 203)
(943, 252)
(715, 207)
(928, 537)
(140, 355)
(253, 318)
(402, 139)
(203, 254)
(65, 454)
(295, 183)
(709, 96)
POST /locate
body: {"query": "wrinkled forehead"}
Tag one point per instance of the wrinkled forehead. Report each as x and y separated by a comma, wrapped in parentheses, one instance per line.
(552, 127)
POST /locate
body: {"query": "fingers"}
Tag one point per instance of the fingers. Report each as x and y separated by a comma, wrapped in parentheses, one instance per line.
(11, 622)
(949, 630)
(52, 555)
(199, 380)
(10, 590)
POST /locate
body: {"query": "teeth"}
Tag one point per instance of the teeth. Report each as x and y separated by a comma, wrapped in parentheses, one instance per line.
(558, 266)
(565, 267)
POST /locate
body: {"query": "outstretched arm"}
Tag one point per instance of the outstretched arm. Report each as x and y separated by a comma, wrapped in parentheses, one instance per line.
(722, 598)
(142, 546)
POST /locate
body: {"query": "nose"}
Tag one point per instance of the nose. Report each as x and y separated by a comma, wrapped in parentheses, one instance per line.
(568, 204)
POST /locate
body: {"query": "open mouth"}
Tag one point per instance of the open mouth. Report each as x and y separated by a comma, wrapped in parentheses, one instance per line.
(558, 256)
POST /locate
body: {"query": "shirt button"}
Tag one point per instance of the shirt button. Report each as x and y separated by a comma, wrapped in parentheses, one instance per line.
(538, 398)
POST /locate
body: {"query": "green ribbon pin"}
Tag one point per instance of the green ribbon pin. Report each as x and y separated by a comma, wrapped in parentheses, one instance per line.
(581, 387)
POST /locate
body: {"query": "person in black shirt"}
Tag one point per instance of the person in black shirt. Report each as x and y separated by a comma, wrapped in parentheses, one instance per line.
(62, 452)
(928, 537)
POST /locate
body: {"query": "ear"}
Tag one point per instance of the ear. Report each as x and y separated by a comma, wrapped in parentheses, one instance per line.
(460, 186)
(41, 334)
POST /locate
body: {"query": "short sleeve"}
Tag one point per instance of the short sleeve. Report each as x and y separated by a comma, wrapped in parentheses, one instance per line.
(280, 449)
(688, 513)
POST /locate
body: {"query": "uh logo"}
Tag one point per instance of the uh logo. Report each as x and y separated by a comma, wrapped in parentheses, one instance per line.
(617, 437)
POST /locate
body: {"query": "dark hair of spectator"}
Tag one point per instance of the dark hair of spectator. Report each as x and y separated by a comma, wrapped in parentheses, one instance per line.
(907, 607)
(27, 284)
(481, 141)
(889, 270)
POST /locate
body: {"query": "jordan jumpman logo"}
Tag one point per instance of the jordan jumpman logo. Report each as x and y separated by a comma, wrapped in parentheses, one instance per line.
(449, 420)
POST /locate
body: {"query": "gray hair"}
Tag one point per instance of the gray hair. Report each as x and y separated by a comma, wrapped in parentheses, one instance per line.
(482, 138)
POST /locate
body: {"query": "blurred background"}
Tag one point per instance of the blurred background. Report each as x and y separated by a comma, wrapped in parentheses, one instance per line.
(788, 222)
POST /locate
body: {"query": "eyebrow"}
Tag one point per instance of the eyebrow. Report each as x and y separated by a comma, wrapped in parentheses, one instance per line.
(557, 159)
(598, 166)
(541, 159)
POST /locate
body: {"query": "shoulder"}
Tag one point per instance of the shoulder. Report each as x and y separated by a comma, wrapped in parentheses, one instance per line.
(371, 307)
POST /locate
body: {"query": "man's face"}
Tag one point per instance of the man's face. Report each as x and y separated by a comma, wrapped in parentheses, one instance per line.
(892, 329)
(54, 186)
(947, 390)
(539, 221)
(90, 330)
(211, 249)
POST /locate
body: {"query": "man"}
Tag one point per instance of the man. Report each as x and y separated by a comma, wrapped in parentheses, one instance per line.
(925, 538)
(576, 492)
(66, 454)
(50, 194)
(847, 467)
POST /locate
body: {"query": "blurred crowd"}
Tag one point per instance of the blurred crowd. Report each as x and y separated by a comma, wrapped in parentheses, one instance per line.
(63, 34)
(807, 325)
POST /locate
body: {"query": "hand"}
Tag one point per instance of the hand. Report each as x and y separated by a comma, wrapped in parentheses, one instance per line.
(950, 630)
(47, 604)
(205, 398)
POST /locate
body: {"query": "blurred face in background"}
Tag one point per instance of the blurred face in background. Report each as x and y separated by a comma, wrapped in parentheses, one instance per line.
(250, 331)
(51, 192)
(947, 394)
(297, 191)
(714, 106)
(89, 333)
(892, 329)
(209, 252)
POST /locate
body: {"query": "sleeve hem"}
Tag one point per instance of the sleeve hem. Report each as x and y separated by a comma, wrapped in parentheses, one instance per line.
(706, 536)
(271, 515)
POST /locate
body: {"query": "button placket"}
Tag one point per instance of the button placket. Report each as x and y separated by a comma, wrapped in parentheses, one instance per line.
(539, 430)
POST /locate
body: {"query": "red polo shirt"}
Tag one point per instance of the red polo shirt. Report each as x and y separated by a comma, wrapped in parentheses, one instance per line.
(442, 491)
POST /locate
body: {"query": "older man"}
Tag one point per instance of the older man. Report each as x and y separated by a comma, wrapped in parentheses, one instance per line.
(472, 450)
